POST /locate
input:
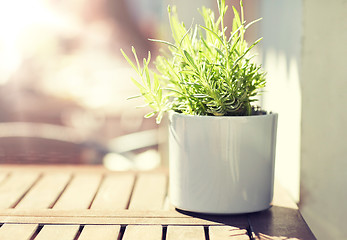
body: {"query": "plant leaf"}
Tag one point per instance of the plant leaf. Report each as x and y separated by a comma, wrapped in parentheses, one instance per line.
(141, 88)
(133, 97)
(162, 41)
(137, 60)
(237, 19)
(239, 58)
(189, 58)
(148, 78)
(214, 34)
(149, 115)
(185, 34)
(251, 23)
(130, 62)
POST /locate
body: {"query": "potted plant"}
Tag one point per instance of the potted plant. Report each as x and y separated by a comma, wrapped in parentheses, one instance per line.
(221, 148)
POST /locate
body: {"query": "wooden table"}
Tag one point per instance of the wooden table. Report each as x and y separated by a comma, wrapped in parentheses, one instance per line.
(89, 202)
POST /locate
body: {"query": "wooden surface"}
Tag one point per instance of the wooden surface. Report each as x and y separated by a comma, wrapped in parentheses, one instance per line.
(82, 203)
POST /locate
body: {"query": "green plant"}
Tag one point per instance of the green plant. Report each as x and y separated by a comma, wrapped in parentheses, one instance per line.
(205, 72)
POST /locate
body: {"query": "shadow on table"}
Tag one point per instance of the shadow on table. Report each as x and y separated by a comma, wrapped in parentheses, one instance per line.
(274, 223)
(234, 220)
(279, 223)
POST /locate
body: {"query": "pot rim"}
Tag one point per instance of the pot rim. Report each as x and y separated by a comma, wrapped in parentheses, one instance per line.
(268, 114)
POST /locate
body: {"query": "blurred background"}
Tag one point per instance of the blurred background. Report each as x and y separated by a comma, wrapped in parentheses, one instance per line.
(64, 84)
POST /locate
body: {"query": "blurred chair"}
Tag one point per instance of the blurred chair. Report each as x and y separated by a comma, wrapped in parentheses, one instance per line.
(37, 143)
(42, 143)
(40, 129)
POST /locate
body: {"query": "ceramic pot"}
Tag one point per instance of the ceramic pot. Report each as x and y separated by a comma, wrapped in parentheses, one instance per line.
(222, 165)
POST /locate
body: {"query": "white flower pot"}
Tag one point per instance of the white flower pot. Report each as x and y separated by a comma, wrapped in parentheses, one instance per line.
(222, 165)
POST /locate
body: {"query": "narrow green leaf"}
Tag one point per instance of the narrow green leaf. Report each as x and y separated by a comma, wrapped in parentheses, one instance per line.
(173, 90)
(139, 86)
(200, 95)
(160, 95)
(143, 106)
(234, 33)
(205, 44)
(137, 60)
(236, 17)
(235, 43)
(145, 67)
(149, 57)
(220, 4)
(244, 54)
(156, 84)
(219, 51)
(214, 34)
(165, 42)
(189, 72)
(133, 97)
(172, 70)
(149, 115)
(159, 117)
(130, 62)
(189, 58)
(251, 23)
(185, 34)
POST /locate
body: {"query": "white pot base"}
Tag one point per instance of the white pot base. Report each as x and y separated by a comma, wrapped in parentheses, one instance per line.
(190, 212)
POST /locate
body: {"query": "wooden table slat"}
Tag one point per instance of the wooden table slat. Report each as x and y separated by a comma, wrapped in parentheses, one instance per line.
(185, 232)
(13, 188)
(80, 192)
(102, 232)
(142, 232)
(149, 192)
(17, 231)
(58, 232)
(43, 194)
(143, 220)
(227, 232)
(114, 192)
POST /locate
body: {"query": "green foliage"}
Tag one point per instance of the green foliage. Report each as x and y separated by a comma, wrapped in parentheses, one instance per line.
(205, 72)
